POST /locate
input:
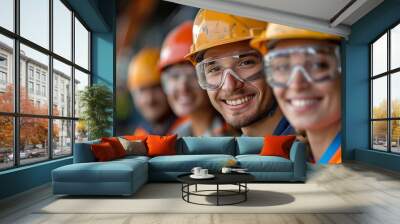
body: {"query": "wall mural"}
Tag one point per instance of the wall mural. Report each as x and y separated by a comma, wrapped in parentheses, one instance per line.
(196, 72)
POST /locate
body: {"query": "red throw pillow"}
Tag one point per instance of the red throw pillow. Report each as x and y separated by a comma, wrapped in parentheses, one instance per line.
(161, 145)
(116, 145)
(103, 151)
(277, 145)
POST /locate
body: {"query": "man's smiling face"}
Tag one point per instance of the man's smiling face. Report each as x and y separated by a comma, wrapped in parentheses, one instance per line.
(240, 103)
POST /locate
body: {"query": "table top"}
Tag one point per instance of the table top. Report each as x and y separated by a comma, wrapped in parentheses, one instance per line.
(220, 178)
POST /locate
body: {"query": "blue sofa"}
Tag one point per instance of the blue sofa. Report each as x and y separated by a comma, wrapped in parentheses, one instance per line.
(125, 176)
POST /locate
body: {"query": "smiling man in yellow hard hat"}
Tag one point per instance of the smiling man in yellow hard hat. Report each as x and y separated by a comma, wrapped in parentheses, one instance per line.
(232, 72)
(303, 68)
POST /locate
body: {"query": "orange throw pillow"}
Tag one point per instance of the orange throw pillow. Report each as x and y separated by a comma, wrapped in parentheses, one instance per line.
(116, 145)
(161, 145)
(103, 152)
(135, 137)
(277, 145)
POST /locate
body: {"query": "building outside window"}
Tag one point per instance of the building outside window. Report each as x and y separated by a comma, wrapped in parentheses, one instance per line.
(30, 87)
(385, 92)
(59, 133)
(3, 71)
(30, 72)
(3, 61)
(3, 78)
(43, 90)
(37, 75)
(43, 78)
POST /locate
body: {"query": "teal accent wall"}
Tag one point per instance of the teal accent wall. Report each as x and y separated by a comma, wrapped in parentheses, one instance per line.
(24, 178)
(99, 16)
(103, 53)
(356, 112)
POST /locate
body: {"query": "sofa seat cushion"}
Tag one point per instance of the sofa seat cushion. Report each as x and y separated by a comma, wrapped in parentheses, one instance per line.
(111, 171)
(257, 163)
(185, 163)
(133, 157)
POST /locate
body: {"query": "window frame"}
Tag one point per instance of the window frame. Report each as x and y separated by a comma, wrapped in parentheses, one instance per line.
(388, 74)
(16, 115)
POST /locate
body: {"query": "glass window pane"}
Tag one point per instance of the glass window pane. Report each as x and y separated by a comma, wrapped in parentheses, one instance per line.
(379, 55)
(81, 45)
(62, 29)
(379, 98)
(34, 97)
(62, 138)
(6, 74)
(33, 139)
(6, 142)
(81, 81)
(379, 135)
(81, 131)
(395, 136)
(7, 14)
(62, 89)
(395, 94)
(35, 21)
(395, 47)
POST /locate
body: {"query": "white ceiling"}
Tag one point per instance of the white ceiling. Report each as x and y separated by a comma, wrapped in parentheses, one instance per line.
(330, 16)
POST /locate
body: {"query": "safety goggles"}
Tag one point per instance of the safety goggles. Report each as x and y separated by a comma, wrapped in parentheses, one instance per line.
(244, 67)
(171, 79)
(317, 64)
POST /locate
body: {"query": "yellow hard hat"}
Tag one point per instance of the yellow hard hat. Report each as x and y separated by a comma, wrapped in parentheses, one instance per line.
(276, 32)
(212, 29)
(143, 70)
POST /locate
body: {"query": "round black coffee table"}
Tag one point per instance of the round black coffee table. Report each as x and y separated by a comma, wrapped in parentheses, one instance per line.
(238, 179)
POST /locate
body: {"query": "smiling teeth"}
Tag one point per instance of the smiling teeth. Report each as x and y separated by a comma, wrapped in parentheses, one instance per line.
(239, 101)
(302, 103)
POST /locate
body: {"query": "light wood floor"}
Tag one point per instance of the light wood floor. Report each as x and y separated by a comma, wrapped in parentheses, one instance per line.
(378, 188)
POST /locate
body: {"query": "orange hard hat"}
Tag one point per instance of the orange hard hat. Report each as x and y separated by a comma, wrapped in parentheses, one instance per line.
(176, 45)
(143, 71)
(276, 32)
(213, 28)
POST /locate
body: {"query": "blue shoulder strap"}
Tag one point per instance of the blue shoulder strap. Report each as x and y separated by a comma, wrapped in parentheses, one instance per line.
(331, 150)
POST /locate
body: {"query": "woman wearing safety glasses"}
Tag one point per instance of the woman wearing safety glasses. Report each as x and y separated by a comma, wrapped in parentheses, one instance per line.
(232, 72)
(303, 68)
(184, 94)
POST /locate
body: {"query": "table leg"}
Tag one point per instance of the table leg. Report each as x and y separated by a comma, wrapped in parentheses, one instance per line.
(245, 191)
(217, 194)
(196, 188)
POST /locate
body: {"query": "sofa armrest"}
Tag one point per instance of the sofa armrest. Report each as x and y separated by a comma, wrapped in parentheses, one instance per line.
(83, 152)
(298, 157)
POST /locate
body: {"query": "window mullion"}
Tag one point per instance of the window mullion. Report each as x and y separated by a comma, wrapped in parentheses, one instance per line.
(73, 82)
(16, 69)
(50, 81)
(371, 93)
(389, 104)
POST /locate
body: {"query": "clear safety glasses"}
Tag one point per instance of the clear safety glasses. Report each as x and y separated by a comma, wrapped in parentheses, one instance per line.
(172, 79)
(316, 63)
(245, 67)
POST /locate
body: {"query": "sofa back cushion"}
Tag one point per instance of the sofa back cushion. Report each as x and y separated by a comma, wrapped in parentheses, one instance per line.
(83, 152)
(206, 145)
(249, 145)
